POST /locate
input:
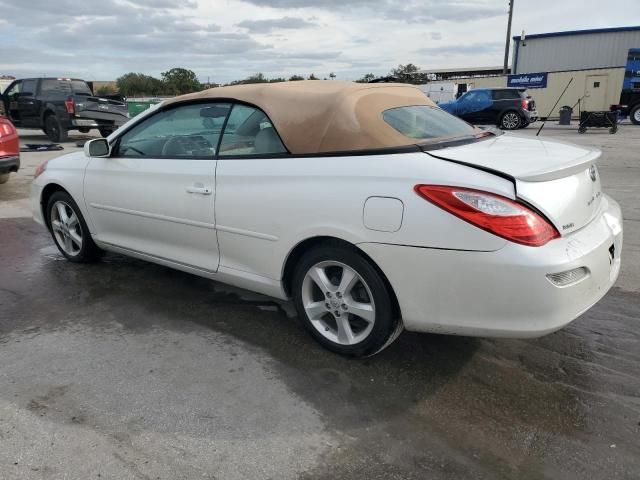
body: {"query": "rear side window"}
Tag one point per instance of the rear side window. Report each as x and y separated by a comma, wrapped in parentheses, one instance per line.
(55, 87)
(422, 122)
(64, 87)
(250, 132)
(506, 95)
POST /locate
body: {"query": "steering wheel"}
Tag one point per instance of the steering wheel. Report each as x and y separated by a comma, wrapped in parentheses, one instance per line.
(173, 146)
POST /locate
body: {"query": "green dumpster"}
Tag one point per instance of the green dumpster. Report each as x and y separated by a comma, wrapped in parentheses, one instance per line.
(138, 105)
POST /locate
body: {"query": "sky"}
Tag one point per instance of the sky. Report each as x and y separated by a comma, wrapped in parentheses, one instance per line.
(224, 40)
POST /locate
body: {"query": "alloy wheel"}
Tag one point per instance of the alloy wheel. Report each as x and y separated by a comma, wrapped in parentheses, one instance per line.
(338, 302)
(510, 121)
(636, 115)
(66, 228)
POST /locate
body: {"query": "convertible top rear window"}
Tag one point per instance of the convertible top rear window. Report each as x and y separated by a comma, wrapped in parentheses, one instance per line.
(423, 122)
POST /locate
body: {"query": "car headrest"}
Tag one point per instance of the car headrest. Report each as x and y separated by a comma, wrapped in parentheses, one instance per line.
(267, 141)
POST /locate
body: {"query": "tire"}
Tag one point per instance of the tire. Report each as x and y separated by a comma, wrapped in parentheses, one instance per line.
(63, 229)
(4, 178)
(329, 315)
(634, 115)
(84, 129)
(525, 124)
(510, 120)
(54, 130)
(582, 129)
(105, 132)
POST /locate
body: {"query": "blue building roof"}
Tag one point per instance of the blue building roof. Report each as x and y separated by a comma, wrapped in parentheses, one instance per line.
(579, 32)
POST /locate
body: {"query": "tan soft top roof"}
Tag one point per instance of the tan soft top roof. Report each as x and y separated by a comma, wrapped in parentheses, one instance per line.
(317, 116)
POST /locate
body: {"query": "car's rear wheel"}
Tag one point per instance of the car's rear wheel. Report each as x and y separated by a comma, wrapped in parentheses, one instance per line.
(510, 121)
(69, 229)
(54, 130)
(4, 178)
(344, 302)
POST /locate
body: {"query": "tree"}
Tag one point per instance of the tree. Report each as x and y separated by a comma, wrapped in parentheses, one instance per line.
(138, 84)
(366, 78)
(313, 77)
(178, 81)
(409, 74)
(296, 78)
(106, 90)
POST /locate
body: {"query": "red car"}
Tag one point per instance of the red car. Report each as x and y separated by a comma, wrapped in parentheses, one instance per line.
(9, 149)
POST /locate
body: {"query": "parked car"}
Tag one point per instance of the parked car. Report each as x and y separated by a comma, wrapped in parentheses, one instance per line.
(508, 108)
(370, 207)
(9, 149)
(57, 105)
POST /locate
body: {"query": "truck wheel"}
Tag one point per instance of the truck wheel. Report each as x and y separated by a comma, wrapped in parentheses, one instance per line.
(84, 129)
(56, 132)
(635, 115)
(4, 178)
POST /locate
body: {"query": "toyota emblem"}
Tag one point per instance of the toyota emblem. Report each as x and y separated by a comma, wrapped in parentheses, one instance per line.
(593, 173)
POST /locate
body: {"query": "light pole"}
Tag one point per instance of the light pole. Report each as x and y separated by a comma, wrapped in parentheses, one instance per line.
(505, 68)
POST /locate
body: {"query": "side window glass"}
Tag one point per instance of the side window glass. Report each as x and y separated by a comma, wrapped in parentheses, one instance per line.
(189, 131)
(29, 86)
(250, 132)
(14, 90)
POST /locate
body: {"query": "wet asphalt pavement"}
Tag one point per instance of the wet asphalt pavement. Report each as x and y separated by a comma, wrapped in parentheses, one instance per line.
(125, 369)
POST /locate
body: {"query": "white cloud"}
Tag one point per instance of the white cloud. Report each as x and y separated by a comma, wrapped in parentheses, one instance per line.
(231, 39)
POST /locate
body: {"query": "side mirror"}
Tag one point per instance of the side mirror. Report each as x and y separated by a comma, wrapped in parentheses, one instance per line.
(98, 147)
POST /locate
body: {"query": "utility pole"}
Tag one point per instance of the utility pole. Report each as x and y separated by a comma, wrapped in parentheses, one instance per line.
(505, 68)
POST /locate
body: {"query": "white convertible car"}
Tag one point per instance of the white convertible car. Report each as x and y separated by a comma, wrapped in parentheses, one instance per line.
(366, 204)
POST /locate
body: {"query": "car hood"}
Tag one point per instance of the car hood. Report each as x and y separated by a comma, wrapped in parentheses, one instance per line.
(523, 158)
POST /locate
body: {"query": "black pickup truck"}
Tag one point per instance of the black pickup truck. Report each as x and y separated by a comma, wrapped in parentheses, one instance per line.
(57, 105)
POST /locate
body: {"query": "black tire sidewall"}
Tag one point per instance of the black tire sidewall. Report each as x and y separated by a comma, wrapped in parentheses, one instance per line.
(60, 134)
(385, 321)
(632, 115)
(89, 251)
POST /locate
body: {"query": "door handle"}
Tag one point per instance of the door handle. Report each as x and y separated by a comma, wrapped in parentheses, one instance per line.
(200, 189)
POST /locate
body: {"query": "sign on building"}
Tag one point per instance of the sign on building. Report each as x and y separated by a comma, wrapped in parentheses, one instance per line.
(528, 80)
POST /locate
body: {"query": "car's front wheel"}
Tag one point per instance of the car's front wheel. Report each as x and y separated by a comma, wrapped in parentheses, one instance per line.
(510, 121)
(634, 115)
(344, 302)
(69, 229)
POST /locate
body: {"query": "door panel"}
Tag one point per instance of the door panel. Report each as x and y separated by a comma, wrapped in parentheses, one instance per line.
(162, 207)
(595, 93)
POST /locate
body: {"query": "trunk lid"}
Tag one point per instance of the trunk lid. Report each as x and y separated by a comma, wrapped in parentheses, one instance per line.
(559, 179)
(101, 109)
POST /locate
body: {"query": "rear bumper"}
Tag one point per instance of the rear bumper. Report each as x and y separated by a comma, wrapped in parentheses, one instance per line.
(9, 164)
(505, 293)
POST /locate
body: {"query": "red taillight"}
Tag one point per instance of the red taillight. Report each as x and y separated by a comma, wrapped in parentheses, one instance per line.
(525, 104)
(495, 214)
(70, 105)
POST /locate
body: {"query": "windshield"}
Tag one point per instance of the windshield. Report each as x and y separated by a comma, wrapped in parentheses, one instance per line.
(422, 122)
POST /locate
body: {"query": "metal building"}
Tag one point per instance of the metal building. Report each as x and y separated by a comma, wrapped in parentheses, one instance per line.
(574, 50)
